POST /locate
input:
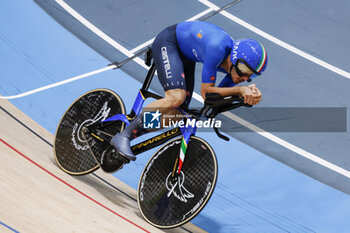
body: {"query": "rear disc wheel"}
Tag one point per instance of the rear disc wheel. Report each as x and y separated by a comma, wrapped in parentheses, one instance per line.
(71, 145)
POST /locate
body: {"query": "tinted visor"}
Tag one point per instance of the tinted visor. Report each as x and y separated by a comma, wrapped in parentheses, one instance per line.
(242, 68)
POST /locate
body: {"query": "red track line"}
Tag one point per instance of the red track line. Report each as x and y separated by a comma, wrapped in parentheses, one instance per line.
(72, 187)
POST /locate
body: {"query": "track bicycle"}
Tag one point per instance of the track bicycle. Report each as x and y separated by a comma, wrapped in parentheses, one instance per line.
(178, 179)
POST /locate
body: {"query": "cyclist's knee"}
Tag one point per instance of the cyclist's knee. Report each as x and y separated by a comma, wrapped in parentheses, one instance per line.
(175, 97)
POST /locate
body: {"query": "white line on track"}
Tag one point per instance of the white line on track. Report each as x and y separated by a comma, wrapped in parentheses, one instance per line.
(101, 34)
(277, 41)
(58, 83)
(288, 145)
(230, 115)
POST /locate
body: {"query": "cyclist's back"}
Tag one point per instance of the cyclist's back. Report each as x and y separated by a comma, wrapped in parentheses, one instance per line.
(200, 41)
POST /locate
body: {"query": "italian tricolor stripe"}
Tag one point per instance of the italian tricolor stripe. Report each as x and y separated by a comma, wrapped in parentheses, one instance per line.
(263, 58)
(182, 154)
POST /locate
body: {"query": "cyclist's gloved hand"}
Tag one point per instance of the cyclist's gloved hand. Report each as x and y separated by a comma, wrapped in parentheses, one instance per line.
(251, 94)
(255, 90)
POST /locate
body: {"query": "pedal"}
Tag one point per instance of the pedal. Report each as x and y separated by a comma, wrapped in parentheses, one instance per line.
(122, 157)
(112, 161)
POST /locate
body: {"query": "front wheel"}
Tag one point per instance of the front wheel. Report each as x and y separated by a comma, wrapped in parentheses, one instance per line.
(166, 201)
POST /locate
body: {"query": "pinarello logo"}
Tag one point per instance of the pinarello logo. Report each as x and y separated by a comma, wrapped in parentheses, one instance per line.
(182, 75)
(212, 78)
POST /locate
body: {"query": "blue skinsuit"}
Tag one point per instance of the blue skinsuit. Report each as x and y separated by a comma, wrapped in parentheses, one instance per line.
(177, 48)
(205, 43)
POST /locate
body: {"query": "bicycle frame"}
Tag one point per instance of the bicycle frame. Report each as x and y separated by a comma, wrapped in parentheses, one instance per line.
(185, 131)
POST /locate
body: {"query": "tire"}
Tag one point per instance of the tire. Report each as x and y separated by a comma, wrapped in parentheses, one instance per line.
(162, 201)
(70, 149)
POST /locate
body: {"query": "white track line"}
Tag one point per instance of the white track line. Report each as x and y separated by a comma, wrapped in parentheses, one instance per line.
(277, 41)
(108, 39)
(288, 145)
(101, 34)
(232, 116)
(98, 32)
(59, 83)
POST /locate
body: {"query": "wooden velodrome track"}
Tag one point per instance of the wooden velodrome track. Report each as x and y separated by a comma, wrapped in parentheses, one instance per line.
(36, 196)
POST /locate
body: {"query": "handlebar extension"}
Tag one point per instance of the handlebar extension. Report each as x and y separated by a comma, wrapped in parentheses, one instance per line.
(215, 104)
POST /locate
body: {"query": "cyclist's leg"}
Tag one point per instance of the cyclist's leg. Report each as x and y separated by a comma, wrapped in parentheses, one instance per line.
(189, 68)
(168, 105)
(181, 96)
(179, 87)
(170, 71)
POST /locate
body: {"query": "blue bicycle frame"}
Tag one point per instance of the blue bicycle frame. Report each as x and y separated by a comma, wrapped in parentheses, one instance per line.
(186, 130)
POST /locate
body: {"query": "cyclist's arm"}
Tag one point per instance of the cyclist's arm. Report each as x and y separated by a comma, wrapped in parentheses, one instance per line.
(227, 82)
(214, 54)
(250, 97)
(224, 91)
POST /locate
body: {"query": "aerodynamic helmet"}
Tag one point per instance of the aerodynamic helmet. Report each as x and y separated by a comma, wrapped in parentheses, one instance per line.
(249, 53)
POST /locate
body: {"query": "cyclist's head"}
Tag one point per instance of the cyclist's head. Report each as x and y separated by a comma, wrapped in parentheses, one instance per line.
(248, 56)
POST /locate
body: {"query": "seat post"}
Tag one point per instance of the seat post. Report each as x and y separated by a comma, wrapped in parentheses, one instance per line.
(149, 77)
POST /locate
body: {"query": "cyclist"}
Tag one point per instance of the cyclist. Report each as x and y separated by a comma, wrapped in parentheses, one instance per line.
(176, 51)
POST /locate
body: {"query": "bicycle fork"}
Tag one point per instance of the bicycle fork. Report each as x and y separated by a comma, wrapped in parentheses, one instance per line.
(187, 132)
